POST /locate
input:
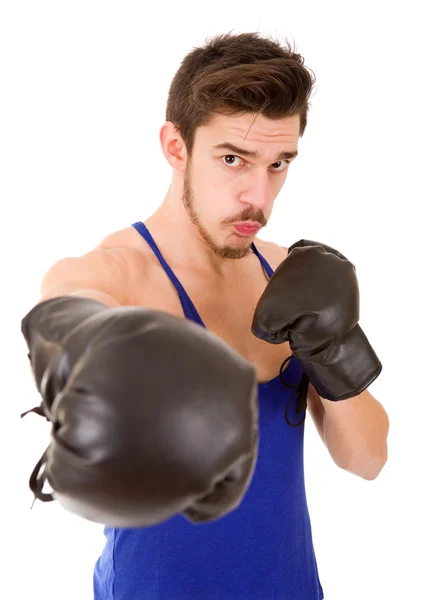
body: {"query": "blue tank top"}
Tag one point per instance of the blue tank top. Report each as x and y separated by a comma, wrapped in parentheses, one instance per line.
(262, 550)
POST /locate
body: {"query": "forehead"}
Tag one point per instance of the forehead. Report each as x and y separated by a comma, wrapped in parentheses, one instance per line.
(250, 132)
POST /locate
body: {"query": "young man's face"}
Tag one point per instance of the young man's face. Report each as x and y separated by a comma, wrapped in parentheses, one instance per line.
(225, 186)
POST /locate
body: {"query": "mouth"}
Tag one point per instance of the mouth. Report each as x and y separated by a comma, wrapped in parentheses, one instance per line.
(247, 229)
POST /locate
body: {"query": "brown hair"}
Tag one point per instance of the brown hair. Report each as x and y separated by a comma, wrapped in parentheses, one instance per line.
(234, 74)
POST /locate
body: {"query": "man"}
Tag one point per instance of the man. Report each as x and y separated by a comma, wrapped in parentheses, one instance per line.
(236, 110)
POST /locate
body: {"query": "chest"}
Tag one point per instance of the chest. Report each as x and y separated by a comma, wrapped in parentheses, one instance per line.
(226, 310)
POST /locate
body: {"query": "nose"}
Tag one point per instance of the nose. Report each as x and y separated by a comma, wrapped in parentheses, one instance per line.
(258, 190)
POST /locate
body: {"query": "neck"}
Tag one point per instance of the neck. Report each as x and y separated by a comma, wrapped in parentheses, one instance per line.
(179, 239)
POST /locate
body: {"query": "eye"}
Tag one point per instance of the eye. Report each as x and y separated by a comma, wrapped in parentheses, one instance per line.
(278, 165)
(231, 160)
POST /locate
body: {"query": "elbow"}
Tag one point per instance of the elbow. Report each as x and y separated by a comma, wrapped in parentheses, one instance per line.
(373, 461)
(380, 464)
(371, 468)
(380, 459)
(373, 473)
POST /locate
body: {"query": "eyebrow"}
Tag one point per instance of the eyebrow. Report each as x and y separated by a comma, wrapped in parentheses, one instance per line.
(253, 153)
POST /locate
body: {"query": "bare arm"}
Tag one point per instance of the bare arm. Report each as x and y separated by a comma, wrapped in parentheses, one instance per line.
(355, 431)
(101, 275)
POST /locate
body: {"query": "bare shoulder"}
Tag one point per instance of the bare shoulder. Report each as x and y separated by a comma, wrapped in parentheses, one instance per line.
(113, 267)
(127, 250)
(274, 253)
(126, 247)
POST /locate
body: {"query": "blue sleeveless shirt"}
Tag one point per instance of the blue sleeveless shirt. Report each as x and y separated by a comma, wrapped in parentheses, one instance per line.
(262, 550)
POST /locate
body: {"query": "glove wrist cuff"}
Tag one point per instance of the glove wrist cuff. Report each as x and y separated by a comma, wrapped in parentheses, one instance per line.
(345, 369)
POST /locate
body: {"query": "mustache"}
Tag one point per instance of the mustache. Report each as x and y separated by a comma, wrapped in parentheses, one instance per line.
(248, 216)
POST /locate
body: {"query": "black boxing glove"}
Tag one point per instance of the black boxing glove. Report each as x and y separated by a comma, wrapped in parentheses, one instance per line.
(151, 414)
(312, 301)
(45, 328)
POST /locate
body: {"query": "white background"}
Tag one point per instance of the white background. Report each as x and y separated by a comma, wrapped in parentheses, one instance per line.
(84, 87)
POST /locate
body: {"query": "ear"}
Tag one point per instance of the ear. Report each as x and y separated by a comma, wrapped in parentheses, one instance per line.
(173, 146)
